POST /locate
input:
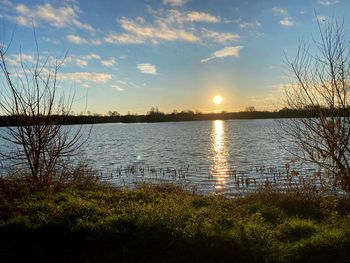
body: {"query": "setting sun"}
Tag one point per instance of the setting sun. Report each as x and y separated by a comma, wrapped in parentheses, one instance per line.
(217, 99)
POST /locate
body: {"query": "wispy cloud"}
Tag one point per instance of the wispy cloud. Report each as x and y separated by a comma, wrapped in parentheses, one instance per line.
(6, 3)
(329, 2)
(60, 17)
(147, 68)
(287, 21)
(280, 11)
(175, 2)
(76, 39)
(200, 17)
(80, 40)
(225, 52)
(114, 38)
(220, 37)
(81, 63)
(127, 84)
(28, 61)
(17, 59)
(321, 18)
(91, 56)
(249, 24)
(51, 40)
(83, 60)
(13, 62)
(167, 25)
(86, 76)
(122, 82)
(117, 87)
(109, 63)
(173, 16)
(95, 42)
(140, 32)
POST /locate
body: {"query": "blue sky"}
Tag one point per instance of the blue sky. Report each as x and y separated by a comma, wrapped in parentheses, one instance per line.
(131, 55)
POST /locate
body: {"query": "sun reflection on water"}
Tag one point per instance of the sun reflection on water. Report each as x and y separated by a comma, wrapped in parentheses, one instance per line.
(219, 169)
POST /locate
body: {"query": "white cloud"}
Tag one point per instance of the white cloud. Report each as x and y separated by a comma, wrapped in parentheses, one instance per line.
(16, 59)
(95, 42)
(329, 2)
(51, 40)
(46, 60)
(169, 25)
(122, 82)
(92, 56)
(201, 17)
(220, 37)
(176, 17)
(280, 11)
(287, 21)
(57, 17)
(128, 84)
(76, 39)
(83, 60)
(175, 2)
(109, 63)
(147, 68)
(238, 20)
(113, 38)
(13, 62)
(140, 33)
(321, 18)
(249, 24)
(27, 58)
(227, 51)
(118, 88)
(6, 3)
(80, 40)
(81, 63)
(85, 76)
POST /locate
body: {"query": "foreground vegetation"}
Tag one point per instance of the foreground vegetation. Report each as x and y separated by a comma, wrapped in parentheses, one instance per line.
(82, 221)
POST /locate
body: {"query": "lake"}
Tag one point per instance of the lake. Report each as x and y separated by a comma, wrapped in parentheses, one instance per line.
(231, 157)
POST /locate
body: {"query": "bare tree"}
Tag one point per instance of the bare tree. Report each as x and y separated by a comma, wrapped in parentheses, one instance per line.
(250, 109)
(320, 93)
(30, 98)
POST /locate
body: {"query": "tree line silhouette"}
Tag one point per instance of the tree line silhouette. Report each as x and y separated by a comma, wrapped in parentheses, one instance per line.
(154, 115)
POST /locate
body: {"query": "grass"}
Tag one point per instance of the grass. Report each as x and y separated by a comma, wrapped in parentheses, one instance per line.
(78, 222)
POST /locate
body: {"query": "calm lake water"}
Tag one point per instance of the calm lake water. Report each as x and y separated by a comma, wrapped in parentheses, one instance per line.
(231, 157)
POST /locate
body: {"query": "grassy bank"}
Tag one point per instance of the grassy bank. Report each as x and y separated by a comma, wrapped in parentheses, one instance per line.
(93, 223)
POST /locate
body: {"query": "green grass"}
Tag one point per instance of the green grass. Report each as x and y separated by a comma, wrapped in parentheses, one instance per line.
(95, 223)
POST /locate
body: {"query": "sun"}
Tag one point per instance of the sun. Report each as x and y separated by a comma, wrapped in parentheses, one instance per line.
(217, 99)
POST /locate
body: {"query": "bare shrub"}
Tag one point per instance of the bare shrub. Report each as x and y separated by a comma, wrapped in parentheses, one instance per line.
(38, 111)
(319, 94)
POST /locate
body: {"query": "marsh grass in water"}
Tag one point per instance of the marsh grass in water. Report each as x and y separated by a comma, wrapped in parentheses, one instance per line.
(84, 221)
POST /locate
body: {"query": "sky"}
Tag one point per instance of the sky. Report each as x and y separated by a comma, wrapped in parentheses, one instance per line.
(131, 55)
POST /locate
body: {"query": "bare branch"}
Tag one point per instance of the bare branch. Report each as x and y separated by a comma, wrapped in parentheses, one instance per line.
(40, 140)
(320, 94)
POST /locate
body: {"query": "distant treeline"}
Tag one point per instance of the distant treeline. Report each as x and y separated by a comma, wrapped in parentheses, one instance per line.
(154, 115)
